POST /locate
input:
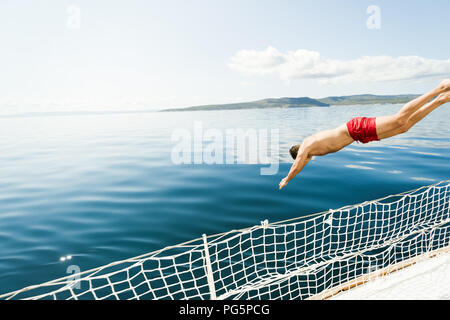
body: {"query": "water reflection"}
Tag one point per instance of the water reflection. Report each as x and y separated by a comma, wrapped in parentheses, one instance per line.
(354, 166)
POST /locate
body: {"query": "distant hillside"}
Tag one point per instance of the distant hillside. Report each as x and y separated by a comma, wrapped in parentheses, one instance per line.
(368, 99)
(302, 102)
(260, 104)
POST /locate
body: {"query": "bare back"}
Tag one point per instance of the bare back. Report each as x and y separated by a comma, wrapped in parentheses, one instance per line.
(330, 141)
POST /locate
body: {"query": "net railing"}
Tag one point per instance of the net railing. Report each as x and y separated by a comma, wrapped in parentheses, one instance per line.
(304, 258)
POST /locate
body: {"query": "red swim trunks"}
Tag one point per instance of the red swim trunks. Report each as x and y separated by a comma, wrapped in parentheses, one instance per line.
(363, 129)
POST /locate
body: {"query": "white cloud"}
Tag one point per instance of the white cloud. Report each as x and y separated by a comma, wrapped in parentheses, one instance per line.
(306, 64)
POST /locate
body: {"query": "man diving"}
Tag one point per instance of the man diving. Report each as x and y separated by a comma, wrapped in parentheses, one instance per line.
(364, 129)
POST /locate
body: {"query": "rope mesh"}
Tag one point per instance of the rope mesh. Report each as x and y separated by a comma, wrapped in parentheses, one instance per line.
(296, 259)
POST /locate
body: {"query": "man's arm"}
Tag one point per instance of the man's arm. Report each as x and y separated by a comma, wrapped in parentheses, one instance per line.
(321, 143)
(300, 162)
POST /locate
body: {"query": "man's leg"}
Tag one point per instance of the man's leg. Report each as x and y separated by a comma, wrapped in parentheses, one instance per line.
(425, 110)
(410, 114)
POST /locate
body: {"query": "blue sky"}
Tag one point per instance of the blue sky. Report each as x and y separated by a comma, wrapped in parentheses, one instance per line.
(156, 54)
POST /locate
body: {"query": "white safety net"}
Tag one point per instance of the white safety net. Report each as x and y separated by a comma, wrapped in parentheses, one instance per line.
(311, 257)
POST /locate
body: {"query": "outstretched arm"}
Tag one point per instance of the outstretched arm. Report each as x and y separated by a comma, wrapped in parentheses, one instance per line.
(300, 162)
(319, 144)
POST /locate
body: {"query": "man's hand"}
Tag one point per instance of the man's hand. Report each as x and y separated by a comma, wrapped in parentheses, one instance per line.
(283, 183)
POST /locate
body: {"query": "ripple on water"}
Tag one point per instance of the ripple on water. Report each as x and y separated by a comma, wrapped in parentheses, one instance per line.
(355, 166)
(423, 179)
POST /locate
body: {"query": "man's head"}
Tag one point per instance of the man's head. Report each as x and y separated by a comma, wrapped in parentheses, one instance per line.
(294, 150)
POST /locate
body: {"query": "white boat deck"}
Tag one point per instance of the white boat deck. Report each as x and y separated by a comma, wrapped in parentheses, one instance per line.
(427, 279)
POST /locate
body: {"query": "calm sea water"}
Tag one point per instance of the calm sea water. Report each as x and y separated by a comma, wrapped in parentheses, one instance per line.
(103, 187)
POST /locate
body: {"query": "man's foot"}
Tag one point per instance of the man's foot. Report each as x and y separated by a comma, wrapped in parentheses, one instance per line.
(444, 97)
(444, 86)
